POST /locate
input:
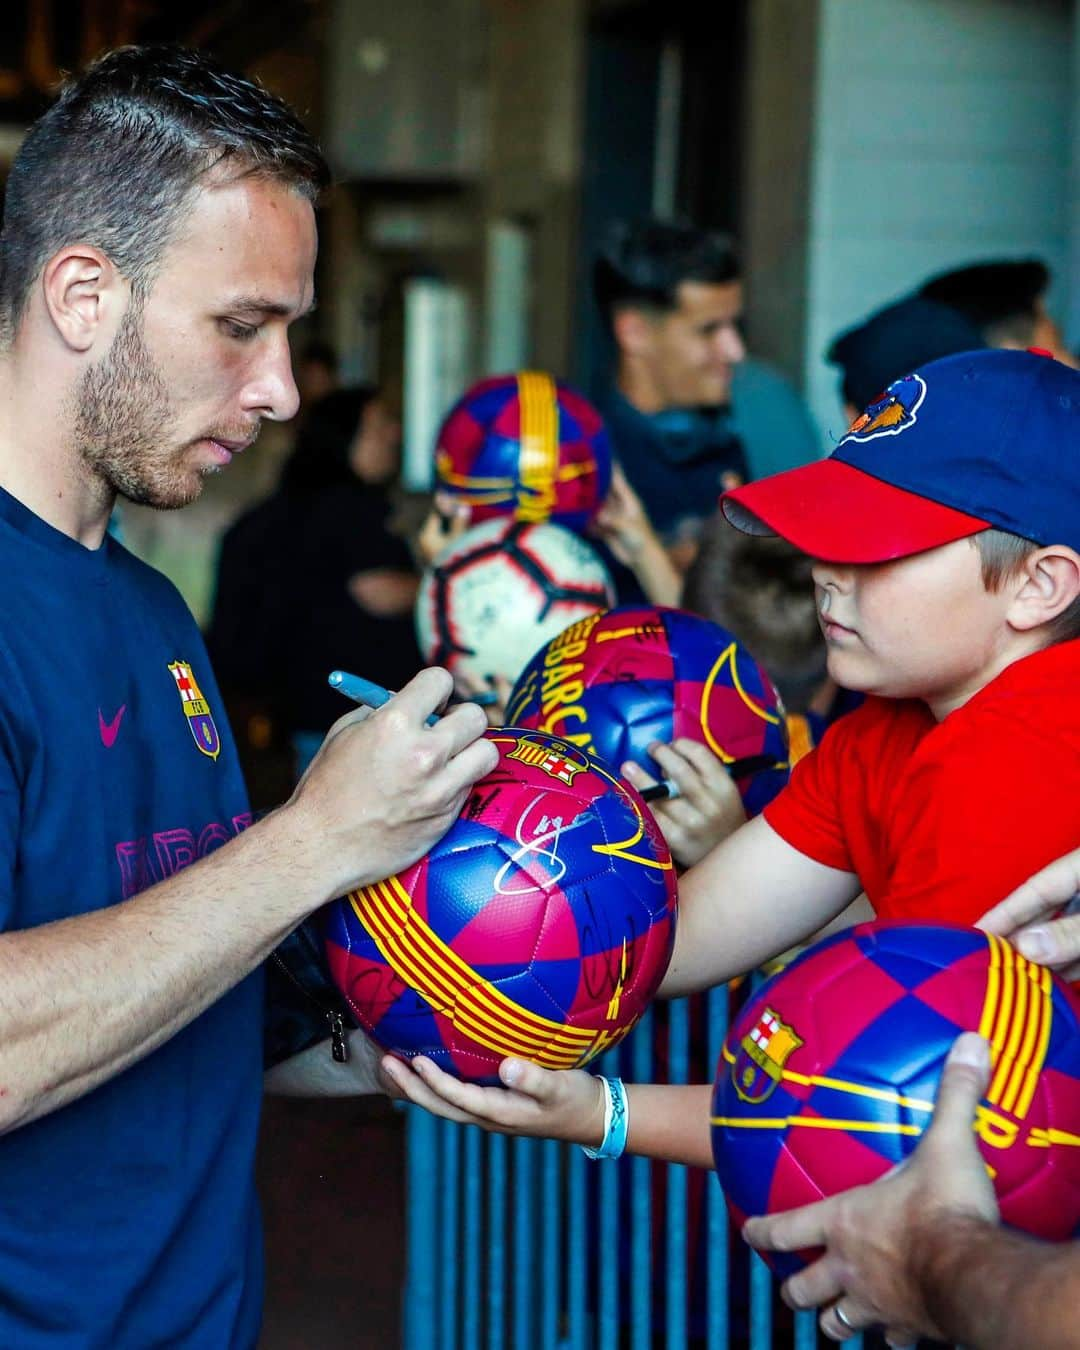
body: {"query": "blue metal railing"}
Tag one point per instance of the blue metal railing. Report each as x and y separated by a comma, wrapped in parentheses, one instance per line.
(526, 1245)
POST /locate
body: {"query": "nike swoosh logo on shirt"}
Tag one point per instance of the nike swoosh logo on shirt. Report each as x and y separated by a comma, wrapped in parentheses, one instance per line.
(110, 730)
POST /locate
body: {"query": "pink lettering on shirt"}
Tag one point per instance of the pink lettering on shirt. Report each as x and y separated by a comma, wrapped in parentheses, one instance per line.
(144, 862)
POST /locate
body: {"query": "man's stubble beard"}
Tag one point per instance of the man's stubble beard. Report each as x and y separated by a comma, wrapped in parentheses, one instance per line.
(123, 415)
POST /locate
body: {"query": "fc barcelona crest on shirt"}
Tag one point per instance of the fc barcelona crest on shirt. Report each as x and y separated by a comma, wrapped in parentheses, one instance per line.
(196, 710)
(759, 1066)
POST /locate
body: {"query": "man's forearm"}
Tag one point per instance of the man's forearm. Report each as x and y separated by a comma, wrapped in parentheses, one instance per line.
(992, 1289)
(83, 998)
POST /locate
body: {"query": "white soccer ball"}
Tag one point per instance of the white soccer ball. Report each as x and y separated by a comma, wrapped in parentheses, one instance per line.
(501, 591)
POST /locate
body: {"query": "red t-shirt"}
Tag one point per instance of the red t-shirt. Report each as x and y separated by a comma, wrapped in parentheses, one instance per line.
(942, 820)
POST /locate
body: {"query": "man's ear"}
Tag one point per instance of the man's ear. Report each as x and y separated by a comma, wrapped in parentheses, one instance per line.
(633, 331)
(83, 294)
(1047, 585)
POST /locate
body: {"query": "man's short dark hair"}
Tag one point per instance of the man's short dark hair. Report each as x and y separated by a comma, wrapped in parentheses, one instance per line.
(115, 161)
(1000, 297)
(643, 263)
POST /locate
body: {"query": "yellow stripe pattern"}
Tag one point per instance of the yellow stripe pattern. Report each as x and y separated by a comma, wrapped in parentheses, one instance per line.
(635, 630)
(800, 740)
(538, 464)
(843, 1085)
(727, 657)
(621, 848)
(420, 958)
(814, 1123)
(1016, 1019)
(485, 491)
(538, 461)
(1043, 1138)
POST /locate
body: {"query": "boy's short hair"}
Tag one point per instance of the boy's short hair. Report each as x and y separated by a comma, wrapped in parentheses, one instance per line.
(1002, 556)
(643, 263)
(116, 160)
(761, 591)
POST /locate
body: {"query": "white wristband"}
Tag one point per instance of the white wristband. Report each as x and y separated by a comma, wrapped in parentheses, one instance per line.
(616, 1121)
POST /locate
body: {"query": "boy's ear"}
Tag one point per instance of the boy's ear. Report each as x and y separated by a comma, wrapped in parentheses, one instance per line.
(82, 291)
(1047, 586)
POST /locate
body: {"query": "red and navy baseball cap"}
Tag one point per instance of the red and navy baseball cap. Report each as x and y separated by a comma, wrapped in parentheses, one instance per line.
(981, 440)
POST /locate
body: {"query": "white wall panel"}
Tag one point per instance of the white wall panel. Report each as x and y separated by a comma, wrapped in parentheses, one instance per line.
(942, 133)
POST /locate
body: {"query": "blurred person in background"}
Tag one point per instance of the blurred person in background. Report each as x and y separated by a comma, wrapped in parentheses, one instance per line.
(688, 414)
(1006, 301)
(671, 297)
(893, 341)
(314, 578)
(316, 373)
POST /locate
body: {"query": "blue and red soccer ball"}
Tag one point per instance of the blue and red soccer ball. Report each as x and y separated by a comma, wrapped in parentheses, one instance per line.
(613, 683)
(828, 1076)
(526, 446)
(539, 926)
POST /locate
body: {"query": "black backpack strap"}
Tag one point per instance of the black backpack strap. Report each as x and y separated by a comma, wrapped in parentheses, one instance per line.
(303, 1005)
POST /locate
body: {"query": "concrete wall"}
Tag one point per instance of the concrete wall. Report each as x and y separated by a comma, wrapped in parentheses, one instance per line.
(775, 225)
(942, 134)
(1073, 316)
(536, 99)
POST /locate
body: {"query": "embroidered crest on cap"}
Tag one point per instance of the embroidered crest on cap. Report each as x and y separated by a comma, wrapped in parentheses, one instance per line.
(893, 412)
(196, 709)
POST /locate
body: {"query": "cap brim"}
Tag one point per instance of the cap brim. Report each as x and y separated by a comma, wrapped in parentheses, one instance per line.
(838, 513)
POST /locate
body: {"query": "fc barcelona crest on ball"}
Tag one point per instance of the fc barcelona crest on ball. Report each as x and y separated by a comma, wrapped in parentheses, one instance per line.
(196, 709)
(759, 1065)
(561, 763)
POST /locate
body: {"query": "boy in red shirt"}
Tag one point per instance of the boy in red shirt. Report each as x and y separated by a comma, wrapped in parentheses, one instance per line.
(945, 529)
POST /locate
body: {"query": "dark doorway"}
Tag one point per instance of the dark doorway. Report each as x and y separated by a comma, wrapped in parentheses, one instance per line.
(663, 132)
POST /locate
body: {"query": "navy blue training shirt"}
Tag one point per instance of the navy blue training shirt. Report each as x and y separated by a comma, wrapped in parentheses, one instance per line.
(128, 1218)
